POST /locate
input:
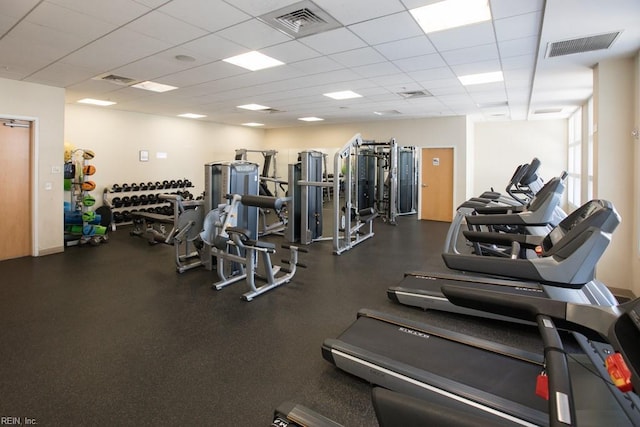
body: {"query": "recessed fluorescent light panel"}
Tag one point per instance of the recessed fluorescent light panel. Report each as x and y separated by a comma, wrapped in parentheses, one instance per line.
(253, 124)
(448, 14)
(311, 119)
(253, 61)
(192, 116)
(476, 79)
(345, 94)
(253, 107)
(99, 102)
(154, 87)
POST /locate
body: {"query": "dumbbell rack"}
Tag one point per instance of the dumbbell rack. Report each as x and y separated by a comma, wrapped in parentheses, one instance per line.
(124, 199)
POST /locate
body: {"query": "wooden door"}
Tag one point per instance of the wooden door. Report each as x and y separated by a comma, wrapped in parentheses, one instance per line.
(15, 191)
(436, 189)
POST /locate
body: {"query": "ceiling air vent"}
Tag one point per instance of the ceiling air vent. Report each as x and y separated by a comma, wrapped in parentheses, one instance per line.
(548, 111)
(300, 19)
(414, 94)
(119, 80)
(582, 44)
(269, 110)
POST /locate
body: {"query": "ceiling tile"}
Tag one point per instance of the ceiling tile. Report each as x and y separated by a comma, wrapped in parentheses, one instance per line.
(291, 51)
(117, 12)
(17, 8)
(406, 48)
(35, 46)
(402, 24)
(518, 26)
(477, 67)
(61, 75)
(155, 66)
(467, 36)
(432, 74)
(254, 35)
(115, 50)
(516, 62)
(518, 47)
(352, 11)
(358, 57)
(213, 71)
(260, 7)
(471, 54)
(164, 27)
(86, 28)
(206, 14)
(506, 8)
(422, 62)
(212, 48)
(333, 41)
(317, 65)
(374, 70)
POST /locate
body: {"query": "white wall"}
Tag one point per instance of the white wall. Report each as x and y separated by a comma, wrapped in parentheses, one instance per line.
(437, 132)
(501, 146)
(45, 106)
(635, 254)
(117, 137)
(613, 154)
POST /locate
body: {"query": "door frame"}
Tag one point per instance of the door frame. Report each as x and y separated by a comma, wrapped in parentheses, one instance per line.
(35, 187)
(455, 176)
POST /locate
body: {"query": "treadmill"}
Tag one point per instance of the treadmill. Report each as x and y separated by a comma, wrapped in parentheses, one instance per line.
(564, 270)
(493, 382)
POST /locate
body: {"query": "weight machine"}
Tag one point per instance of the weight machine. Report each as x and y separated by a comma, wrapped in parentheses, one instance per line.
(306, 185)
(237, 252)
(268, 175)
(352, 224)
(387, 179)
(222, 179)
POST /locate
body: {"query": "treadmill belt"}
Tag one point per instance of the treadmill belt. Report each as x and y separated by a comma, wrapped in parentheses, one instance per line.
(494, 373)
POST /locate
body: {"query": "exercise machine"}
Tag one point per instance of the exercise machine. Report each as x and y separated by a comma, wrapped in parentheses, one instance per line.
(486, 378)
(564, 269)
(306, 184)
(237, 252)
(351, 224)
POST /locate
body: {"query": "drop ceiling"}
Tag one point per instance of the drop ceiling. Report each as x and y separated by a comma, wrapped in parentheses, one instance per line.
(376, 49)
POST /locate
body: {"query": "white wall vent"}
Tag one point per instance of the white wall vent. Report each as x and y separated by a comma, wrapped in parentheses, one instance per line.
(300, 19)
(582, 44)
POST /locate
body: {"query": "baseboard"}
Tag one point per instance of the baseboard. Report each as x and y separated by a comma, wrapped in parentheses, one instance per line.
(51, 251)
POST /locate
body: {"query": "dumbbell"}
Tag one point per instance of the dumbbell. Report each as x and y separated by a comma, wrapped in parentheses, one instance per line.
(126, 216)
(187, 183)
(144, 199)
(180, 183)
(135, 187)
(117, 217)
(151, 199)
(126, 201)
(135, 200)
(142, 186)
(116, 202)
(173, 184)
(126, 187)
(165, 184)
(167, 210)
(151, 186)
(116, 188)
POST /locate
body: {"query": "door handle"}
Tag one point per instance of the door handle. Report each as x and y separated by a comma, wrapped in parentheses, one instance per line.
(424, 185)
